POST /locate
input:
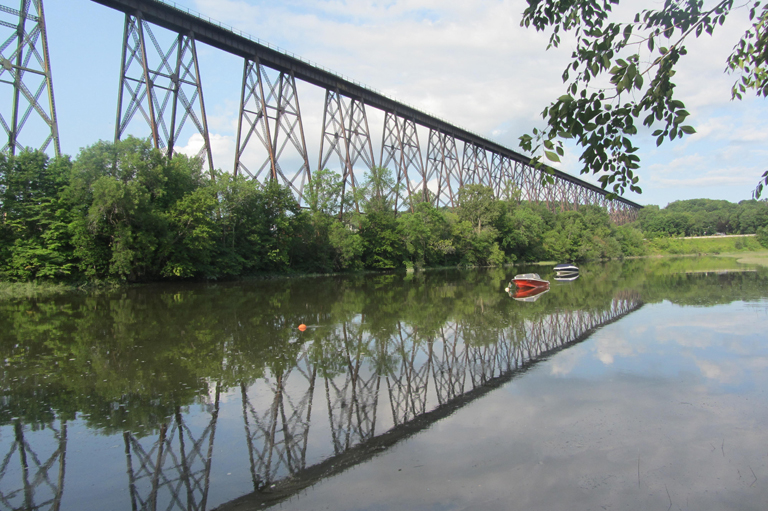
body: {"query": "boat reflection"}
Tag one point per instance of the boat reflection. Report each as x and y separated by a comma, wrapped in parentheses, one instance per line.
(530, 294)
(566, 277)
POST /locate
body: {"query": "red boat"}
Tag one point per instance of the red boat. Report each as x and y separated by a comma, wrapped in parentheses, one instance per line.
(529, 280)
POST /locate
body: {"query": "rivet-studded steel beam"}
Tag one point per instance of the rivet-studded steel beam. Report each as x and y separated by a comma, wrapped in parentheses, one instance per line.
(25, 71)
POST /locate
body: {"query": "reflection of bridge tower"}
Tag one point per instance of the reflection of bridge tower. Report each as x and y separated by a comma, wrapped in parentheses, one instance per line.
(408, 384)
(352, 405)
(485, 362)
(173, 473)
(449, 365)
(38, 489)
(277, 438)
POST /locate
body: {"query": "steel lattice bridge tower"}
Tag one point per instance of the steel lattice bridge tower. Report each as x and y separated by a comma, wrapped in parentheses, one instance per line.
(162, 89)
(25, 66)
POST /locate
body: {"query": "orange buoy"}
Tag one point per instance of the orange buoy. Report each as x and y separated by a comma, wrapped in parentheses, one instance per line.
(302, 327)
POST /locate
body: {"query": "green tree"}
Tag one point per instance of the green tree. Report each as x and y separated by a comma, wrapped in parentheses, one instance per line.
(762, 236)
(425, 234)
(638, 59)
(194, 234)
(521, 230)
(120, 195)
(478, 206)
(34, 237)
(378, 190)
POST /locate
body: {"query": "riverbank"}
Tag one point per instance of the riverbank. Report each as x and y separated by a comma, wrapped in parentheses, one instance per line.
(712, 245)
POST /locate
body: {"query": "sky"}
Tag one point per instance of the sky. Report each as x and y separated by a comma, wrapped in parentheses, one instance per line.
(469, 63)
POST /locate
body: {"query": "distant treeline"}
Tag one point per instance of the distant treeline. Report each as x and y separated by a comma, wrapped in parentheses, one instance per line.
(703, 217)
(123, 211)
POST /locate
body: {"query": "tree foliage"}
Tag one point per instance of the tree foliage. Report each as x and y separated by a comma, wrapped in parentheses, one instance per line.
(703, 217)
(621, 78)
(125, 212)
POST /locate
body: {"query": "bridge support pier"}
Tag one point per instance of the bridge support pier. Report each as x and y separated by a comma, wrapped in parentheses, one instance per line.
(444, 165)
(26, 67)
(345, 133)
(269, 109)
(150, 91)
(475, 165)
(400, 145)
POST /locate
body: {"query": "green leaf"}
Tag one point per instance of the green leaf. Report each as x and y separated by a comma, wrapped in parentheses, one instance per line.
(688, 130)
(551, 156)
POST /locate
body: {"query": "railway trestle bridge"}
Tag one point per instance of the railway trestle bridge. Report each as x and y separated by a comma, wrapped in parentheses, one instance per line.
(161, 88)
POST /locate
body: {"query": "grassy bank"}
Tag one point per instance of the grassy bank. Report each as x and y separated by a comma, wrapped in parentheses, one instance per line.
(691, 246)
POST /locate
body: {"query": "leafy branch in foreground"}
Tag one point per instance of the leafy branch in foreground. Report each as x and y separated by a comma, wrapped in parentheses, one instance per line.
(637, 60)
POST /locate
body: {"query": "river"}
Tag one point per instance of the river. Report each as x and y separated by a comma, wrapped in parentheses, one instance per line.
(639, 385)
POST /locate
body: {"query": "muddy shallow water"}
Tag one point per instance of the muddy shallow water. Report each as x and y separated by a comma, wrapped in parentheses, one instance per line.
(640, 385)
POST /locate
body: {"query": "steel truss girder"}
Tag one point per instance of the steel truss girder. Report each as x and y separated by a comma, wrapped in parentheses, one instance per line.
(178, 451)
(174, 83)
(25, 66)
(400, 145)
(345, 133)
(269, 109)
(35, 477)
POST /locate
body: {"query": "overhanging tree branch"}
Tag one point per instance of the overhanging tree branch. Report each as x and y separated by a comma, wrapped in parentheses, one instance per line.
(599, 121)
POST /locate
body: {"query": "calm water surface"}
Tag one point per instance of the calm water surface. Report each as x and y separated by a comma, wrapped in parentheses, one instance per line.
(640, 385)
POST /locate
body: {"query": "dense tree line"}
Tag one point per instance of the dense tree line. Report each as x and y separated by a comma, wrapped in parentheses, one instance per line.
(123, 211)
(701, 217)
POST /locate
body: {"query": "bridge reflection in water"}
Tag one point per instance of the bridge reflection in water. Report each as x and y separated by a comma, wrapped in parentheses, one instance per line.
(358, 395)
(420, 381)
